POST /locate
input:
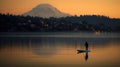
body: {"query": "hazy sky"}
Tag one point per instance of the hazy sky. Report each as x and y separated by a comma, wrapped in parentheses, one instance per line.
(109, 8)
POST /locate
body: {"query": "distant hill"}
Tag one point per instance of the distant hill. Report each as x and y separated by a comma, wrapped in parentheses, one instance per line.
(45, 11)
(102, 21)
(93, 23)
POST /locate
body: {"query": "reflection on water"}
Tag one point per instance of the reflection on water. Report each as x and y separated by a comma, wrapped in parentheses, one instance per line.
(58, 52)
(86, 55)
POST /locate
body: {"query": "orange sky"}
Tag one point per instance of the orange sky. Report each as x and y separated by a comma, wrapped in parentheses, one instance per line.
(79, 7)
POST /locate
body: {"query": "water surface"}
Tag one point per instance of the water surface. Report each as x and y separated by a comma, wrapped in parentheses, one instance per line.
(60, 51)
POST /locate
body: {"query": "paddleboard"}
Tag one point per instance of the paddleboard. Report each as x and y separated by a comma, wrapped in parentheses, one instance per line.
(83, 50)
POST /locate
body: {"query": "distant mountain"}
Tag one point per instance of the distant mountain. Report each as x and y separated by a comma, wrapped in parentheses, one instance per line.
(45, 11)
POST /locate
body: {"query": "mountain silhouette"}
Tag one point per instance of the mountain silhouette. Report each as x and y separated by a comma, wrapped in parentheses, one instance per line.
(45, 11)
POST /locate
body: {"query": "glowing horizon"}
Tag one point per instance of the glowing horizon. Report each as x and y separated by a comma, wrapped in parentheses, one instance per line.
(74, 7)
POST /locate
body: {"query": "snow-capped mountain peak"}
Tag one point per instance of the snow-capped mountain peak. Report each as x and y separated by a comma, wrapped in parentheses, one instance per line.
(45, 11)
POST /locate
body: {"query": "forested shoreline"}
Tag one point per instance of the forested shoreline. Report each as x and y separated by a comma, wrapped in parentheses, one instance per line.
(18, 23)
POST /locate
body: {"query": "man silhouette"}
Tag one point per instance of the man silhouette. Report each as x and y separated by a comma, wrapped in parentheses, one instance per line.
(86, 45)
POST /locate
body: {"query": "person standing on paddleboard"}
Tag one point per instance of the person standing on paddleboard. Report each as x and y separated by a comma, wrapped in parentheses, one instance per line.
(86, 45)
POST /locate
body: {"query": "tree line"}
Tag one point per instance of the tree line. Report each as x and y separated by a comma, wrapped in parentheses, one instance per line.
(19, 23)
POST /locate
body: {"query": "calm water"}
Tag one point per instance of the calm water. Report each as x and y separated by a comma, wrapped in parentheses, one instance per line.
(60, 50)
